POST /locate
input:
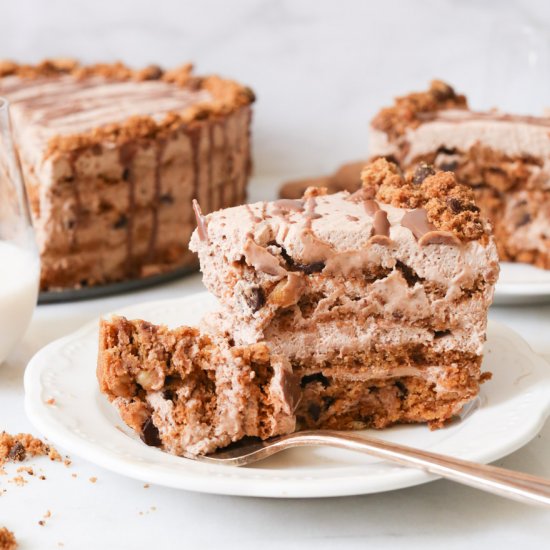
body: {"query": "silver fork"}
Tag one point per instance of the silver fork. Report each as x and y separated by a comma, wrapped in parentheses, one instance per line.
(500, 481)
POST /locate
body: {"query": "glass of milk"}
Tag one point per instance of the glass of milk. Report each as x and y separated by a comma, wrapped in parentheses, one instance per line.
(19, 259)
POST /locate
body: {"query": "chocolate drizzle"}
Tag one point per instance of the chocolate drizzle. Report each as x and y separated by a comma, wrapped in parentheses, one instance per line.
(468, 116)
(424, 231)
(78, 210)
(381, 225)
(261, 259)
(253, 217)
(417, 222)
(371, 207)
(127, 153)
(202, 226)
(283, 207)
(310, 212)
(195, 137)
(362, 194)
(366, 197)
(231, 182)
(156, 205)
(210, 206)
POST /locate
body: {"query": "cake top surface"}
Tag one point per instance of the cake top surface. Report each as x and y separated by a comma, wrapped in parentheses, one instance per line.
(441, 103)
(70, 106)
(419, 209)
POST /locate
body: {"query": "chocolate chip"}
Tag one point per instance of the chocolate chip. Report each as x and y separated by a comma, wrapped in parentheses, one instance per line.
(121, 222)
(168, 395)
(255, 298)
(308, 269)
(328, 401)
(421, 172)
(455, 205)
(441, 333)
(374, 389)
(524, 220)
(152, 72)
(408, 273)
(367, 420)
(249, 94)
(403, 391)
(446, 151)
(314, 411)
(69, 224)
(449, 166)
(17, 452)
(126, 174)
(150, 434)
(167, 198)
(316, 377)
(442, 91)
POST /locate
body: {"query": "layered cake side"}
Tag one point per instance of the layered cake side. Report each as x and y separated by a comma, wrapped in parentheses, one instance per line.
(378, 299)
(504, 158)
(188, 393)
(112, 158)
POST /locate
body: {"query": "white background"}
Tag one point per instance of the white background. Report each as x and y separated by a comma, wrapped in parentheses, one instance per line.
(321, 69)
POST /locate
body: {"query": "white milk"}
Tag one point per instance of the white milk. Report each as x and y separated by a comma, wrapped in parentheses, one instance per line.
(19, 274)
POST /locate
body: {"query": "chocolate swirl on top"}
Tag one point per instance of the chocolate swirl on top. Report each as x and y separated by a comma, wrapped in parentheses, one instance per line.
(381, 224)
(202, 226)
(261, 259)
(283, 207)
(417, 222)
(253, 217)
(424, 231)
(310, 212)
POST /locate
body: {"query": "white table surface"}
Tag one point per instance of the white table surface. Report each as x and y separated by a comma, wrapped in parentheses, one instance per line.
(119, 513)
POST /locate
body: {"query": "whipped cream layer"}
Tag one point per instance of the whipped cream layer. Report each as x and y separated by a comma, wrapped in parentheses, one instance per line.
(514, 136)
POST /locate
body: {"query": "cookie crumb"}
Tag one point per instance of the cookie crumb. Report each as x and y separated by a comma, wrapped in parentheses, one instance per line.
(41, 523)
(50, 401)
(146, 486)
(20, 447)
(7, 539)
(18, 480)
(93, 479)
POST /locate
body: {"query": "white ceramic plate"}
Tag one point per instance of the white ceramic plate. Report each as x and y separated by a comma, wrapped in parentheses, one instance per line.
(522, 284)
(510, 411)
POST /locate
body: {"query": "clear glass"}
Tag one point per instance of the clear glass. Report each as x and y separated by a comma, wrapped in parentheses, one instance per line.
(19, 258)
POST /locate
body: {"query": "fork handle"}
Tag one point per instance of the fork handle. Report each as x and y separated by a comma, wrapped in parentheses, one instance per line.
(500, 481)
